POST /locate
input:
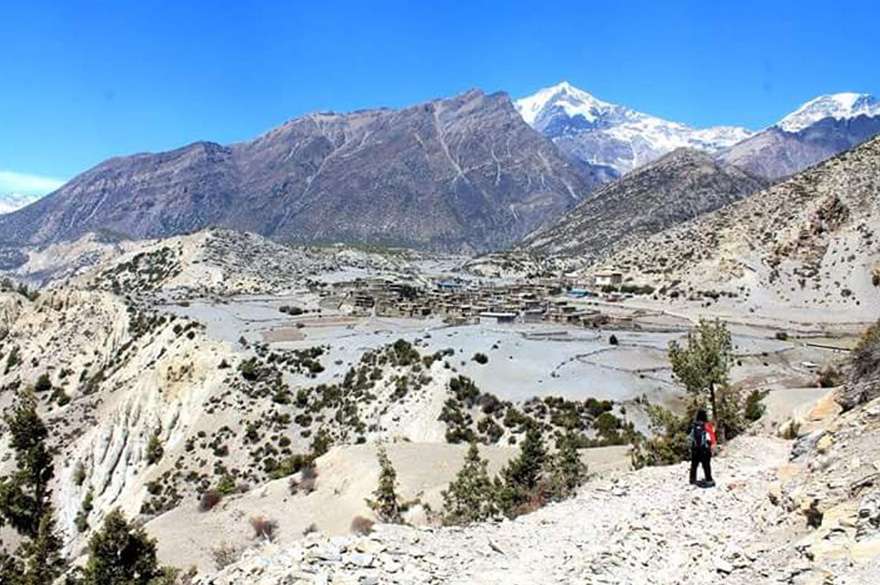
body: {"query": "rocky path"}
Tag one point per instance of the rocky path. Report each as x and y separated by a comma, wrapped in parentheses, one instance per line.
(646, 527)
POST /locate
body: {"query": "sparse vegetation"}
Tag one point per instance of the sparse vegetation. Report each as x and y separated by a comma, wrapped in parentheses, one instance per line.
(385, 502)
(361, 525)
(26, 500)
(264, 528)
(517, 489)
(755, 408)
(470, 497)
(703, 365)
(122, 554)
(224, 555)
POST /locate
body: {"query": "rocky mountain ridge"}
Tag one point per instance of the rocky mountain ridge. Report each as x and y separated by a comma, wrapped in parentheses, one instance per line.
(788, 148)
(675, 188)
(461, 174)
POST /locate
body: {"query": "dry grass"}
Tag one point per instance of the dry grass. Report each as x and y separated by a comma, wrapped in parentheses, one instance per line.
(361, 525)
(264, 528)
(307, 482)
(225, 555)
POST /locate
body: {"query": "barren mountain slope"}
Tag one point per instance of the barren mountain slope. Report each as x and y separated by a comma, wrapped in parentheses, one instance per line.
(463, 173)
(644, 527)
(214, 261)
(811, 241)
(677, 187)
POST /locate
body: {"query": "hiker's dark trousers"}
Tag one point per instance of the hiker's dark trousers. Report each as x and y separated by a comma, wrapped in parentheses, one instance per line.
(701, 457)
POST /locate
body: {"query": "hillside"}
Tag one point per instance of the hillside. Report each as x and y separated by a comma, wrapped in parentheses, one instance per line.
(808, 242)
(799, 512)
(680, 186)
(461, 174)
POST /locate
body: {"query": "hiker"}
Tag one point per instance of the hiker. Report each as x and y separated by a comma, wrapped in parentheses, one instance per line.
(702, 437)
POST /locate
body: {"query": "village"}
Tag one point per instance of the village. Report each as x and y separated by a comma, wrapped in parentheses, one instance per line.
(459, 301)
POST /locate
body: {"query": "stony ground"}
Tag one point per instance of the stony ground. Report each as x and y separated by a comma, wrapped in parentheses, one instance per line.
(644, 527)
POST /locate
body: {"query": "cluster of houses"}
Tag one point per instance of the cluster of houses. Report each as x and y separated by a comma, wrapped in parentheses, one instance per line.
(461, 301)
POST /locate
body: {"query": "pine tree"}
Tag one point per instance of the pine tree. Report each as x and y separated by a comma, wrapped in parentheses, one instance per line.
(385, 503)
(469, 497)
(121, 554)
(11, 572)
(25, 501)
(42, 554)
(25, 494)
(519, 479)
(703, 365)
(568, 472)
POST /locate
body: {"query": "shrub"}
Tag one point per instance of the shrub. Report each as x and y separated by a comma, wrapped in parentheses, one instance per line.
(154, 450)
(79, 473)
(120, 554)
(481, 358)
(209, 500)
(668, 443)
(791, 431)
(361, 525)
(567, 471)
(469, 498)
(44, 384)
(225, 555)
(248, 369)
(385, 503)
(263, 527)
(866, 354)
(829, 377)
(306, 483)
(755, 408)
(518, 483)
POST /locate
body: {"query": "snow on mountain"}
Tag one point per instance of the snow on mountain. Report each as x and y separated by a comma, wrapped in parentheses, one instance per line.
(601, 133)
(819, 129)
(840, 106)
(12, 201)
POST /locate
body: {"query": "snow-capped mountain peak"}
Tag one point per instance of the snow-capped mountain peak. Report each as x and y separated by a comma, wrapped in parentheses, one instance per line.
(840, 106)
(614, 136)
(566, 97)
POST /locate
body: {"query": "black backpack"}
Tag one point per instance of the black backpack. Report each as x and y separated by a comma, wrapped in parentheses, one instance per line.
(699, 436)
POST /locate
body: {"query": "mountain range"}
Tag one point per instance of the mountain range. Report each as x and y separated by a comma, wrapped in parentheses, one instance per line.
(620, 139)
(613, 136)
(471, 173)
(817, 130)
(459, 174)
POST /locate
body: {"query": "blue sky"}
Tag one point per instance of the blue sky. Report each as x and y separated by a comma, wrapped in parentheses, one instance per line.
(83, 81)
